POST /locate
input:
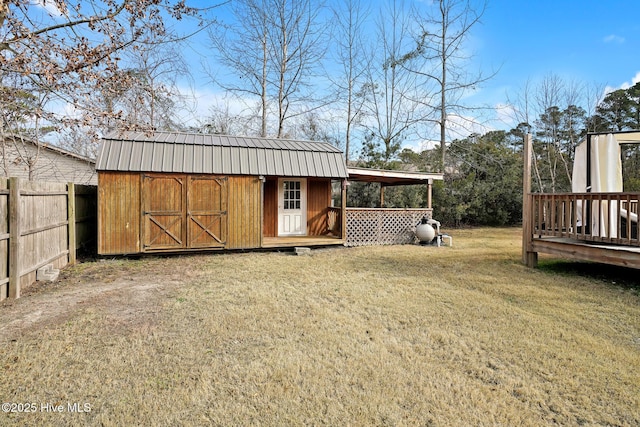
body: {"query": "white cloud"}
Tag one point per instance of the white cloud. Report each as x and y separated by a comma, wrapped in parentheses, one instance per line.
(506, 114)
(414, 145)
(203, 101)
(50, 7)
(458, 127)
(626, 85)
(463, 126)
(612, 38)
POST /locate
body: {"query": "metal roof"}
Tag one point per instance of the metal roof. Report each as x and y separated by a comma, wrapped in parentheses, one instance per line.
(392, 177)
(218, 154)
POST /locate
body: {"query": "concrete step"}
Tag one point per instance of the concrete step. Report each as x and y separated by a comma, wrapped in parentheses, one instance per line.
(302, 250)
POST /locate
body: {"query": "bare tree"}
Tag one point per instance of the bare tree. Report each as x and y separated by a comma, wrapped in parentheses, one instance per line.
(441, 42)
(391, 105)
(555, 112)
(64, 54)
(353, 58)
(273, 49)
(152, 99)
(547, 98)
(243, 48)
(223, 121)
(60, 47)
(20, 128)
(522, 106)
(593, 94)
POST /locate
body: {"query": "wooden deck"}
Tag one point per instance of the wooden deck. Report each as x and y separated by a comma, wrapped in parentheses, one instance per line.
(624, 256)
(291, 241)
(596, 227)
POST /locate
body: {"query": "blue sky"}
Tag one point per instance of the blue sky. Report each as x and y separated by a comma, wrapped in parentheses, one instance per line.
(594, 41)
(587, 41)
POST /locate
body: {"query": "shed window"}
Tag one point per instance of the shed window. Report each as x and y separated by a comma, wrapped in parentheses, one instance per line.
(292, 194)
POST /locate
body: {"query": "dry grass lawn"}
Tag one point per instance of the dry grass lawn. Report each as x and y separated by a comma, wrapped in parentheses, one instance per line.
(402, 335)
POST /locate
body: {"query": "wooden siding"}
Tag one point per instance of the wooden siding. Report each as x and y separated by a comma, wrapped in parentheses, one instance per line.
(43, 228)
(167, 213)
(119, 212)
(41, 224)
(175, 212)
(163, 206)
(244, 212)
(270, 221)
(207, 199)
(318, 202)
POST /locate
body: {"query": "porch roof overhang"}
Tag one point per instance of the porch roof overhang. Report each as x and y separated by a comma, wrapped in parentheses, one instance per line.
(392, 177)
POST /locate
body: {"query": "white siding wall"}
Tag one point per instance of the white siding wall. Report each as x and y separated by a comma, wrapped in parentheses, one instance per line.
(51, 165)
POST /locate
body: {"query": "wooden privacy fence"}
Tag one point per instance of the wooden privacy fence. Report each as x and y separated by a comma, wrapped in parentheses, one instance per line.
(383, 226)
(597, 217)
(42, 223)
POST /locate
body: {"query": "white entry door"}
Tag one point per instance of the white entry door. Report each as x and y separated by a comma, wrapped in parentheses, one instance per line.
(292, 206)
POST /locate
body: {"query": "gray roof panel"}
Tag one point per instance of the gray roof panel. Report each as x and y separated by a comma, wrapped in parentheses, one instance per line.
(157, 157)
(197, 158)
(167, 160)
(207, 158)
(226, 161)
(269, 159)
(318, 162)
(218, 154)
(178, 158)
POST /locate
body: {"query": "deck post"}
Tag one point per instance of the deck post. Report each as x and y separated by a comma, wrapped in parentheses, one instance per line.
(381, 195)
(429, 192)
(529, 258)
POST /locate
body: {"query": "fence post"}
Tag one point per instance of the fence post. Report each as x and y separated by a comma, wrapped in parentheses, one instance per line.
(14, 237)
(71, 217)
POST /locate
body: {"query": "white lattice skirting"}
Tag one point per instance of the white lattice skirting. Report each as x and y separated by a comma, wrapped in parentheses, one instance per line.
(383, 226)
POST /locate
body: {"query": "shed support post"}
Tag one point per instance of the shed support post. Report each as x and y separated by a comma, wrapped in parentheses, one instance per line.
(429, 193)
(14, 238)
(343, 210)
(381, 195)
(262, 181)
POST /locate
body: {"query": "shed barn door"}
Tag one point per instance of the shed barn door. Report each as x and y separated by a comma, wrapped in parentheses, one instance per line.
(163, 212)
(207, 211)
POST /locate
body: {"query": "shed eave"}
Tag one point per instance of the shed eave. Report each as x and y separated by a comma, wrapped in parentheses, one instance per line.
(392, 177)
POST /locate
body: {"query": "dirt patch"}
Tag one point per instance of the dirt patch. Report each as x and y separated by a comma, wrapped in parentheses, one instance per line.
(121, 288)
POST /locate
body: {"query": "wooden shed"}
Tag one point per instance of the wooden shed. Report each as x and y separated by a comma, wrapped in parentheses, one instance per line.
(174, 192)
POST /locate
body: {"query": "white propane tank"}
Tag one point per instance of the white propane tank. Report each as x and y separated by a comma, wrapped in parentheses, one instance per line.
(425, 233)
